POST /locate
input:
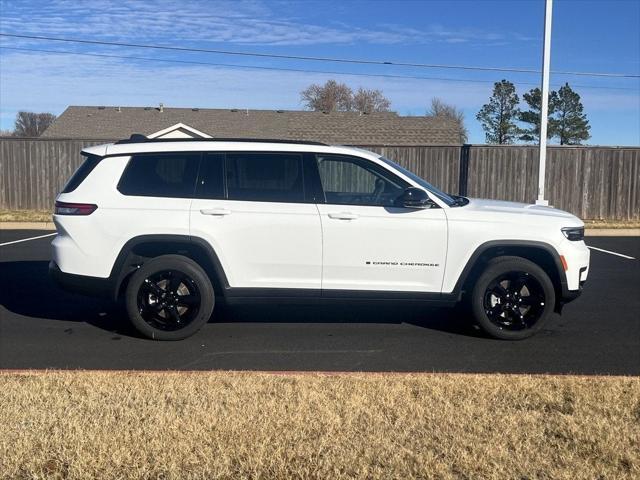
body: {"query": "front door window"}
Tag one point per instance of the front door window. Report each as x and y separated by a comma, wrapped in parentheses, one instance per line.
(353, 181)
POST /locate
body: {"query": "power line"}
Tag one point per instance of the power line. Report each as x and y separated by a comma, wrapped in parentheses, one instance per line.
(315, 59)
(283, 69)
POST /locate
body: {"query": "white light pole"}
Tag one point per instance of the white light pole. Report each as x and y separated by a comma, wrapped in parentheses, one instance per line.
(544, 107)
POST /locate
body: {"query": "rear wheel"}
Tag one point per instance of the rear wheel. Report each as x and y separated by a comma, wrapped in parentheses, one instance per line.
(512, 298)
(169, 298)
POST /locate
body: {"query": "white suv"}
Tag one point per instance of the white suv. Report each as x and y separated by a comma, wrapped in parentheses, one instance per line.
(169, 225)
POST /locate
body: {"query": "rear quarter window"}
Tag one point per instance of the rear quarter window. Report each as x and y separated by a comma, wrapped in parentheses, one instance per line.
(81, 173)
(160, 175)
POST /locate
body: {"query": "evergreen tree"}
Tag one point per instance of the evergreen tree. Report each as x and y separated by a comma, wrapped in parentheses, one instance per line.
(531, 117)
(498, 117)
(569, 124)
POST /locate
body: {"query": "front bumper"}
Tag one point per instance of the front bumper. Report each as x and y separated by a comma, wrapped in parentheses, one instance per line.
(575, 257)
(570, 295)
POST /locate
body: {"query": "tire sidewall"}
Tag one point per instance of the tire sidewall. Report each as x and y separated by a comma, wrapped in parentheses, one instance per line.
(496, 268)
(170, 262)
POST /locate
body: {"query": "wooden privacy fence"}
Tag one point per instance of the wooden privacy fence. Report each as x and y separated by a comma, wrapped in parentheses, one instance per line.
(33, 171)
(591, 182)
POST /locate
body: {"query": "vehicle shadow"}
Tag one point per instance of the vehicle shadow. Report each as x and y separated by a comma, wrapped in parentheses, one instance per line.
(27, 290)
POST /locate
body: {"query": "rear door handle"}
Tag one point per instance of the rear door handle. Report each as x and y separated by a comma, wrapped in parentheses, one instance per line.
(218, 212)
(344, 216)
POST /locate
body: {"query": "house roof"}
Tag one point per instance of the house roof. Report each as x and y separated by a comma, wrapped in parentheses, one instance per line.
(349, 128)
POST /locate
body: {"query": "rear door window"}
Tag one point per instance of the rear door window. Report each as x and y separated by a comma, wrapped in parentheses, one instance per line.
(265, 177)
(161, 175)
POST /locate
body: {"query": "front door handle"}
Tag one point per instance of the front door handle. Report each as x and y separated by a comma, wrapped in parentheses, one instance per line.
(218, 212)
(344, 215)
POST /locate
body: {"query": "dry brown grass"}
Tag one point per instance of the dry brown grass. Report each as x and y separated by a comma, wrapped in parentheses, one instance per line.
(251, 425)
(25, 215)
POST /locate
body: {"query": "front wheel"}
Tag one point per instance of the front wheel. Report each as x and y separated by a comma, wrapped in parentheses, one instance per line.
(169, 298)
(512, 298)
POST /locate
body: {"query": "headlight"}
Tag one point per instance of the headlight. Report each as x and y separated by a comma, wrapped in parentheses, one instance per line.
(575, 234)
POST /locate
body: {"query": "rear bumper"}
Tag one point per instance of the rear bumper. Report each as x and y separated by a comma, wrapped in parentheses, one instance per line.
(84, 285)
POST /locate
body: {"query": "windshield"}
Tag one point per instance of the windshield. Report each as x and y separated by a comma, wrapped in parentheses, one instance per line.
(446, 198)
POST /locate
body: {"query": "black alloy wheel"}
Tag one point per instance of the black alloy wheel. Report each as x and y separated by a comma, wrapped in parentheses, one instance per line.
(169, 300)
(169, 297)
(514, 301)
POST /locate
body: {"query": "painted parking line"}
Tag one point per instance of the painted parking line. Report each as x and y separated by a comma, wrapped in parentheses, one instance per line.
(612, 253)
(27, 239)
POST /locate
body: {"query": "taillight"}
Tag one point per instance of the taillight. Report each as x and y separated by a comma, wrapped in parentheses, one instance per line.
(63, 208)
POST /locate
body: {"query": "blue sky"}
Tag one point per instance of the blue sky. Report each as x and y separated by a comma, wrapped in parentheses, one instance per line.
(590, 36)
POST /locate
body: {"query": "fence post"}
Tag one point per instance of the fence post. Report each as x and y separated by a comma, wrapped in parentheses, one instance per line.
(463, 176)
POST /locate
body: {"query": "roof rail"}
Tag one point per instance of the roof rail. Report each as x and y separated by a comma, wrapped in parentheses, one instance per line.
(139, 138)
(134, 138)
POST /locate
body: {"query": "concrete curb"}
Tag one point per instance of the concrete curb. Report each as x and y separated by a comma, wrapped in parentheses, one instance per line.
(313, 373)
(27, 226)
(589, 232)
(612, 232)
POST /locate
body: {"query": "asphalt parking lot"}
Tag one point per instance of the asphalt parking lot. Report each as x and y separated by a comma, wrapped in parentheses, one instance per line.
(43, 327)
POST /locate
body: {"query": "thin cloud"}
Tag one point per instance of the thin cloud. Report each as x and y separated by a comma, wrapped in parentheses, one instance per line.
(48, 82)
(242, 23)
(52, 82)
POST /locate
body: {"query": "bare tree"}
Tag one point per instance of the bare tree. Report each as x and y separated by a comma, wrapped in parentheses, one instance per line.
(444, 110)
(31, 124)
(368, 101)
(6, 133)
(330, 97)
(338, 97)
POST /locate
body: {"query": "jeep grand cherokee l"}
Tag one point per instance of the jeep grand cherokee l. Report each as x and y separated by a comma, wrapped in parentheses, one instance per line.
(170, 225)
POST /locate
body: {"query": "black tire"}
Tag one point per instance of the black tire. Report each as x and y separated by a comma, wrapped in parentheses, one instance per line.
(512, 299)
(169, 298)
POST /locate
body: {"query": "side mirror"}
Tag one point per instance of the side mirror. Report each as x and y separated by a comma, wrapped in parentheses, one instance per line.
(414, 197)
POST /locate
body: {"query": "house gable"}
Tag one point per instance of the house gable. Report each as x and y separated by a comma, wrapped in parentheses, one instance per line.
(179, 130)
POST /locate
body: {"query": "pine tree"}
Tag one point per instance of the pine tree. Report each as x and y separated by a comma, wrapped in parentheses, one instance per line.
(531, 117)
(499, 115)
(569, 124)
